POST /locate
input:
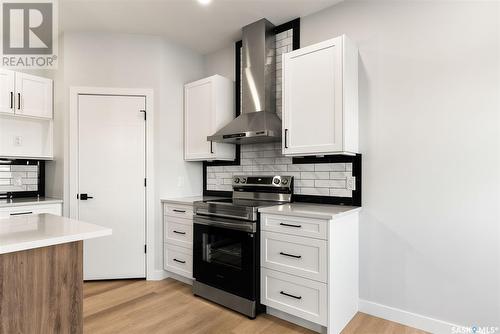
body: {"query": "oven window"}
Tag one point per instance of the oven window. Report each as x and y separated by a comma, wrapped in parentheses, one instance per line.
(222, 250)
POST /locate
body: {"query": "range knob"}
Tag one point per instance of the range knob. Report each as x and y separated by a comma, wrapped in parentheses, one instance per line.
(244, 180)
(284, 182)
(236, 180)
(276, 181)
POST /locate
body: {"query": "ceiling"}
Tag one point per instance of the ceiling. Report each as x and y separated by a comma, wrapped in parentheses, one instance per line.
(201, 28)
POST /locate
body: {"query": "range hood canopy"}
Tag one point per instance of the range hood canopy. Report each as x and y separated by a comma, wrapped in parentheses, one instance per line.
(258, 121)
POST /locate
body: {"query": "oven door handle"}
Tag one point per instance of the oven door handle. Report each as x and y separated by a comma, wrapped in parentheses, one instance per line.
(223, 215)
(243, 226)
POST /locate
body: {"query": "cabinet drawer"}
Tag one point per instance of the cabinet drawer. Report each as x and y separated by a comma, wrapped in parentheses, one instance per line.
(55, 209)
(181, 211)
(301, 226)
(179, 231)
(178, 260)
(298, 296)
(305, 257)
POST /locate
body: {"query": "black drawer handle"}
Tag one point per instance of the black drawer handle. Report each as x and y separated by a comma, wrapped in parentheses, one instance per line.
(290, 225)
(179, 232)
(289, 295)
(180, 211)
(19, 101)
(179, 261)
(11, 100)
(21, 213)
(290, 255)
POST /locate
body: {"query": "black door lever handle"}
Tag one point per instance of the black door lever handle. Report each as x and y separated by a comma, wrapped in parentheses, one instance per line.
(84, 197)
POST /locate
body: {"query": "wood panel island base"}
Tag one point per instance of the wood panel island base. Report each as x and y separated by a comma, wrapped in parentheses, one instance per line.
(41, 273)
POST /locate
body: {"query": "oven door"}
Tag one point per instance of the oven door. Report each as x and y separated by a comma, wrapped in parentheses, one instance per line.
(224, 255)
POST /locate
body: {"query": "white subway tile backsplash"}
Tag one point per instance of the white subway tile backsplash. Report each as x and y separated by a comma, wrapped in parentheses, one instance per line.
(301, 168)
(340, 175)
(315, 191)
(348, 167)
(18, 178)
(340, 193)
(314, 175)
(304, 183)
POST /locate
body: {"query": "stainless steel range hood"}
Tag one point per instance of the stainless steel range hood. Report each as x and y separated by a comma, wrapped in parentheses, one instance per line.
(258, 121)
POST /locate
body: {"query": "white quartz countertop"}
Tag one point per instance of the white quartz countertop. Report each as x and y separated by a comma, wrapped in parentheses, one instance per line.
(189, 200)
(322, 211)
(34, 231)
(4, 203)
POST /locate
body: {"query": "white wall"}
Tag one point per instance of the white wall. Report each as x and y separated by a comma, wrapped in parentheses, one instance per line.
(136, 61)
(429, 87)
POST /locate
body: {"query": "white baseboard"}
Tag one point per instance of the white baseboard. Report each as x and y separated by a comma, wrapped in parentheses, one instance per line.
(179, 277)
(414, 320)
(157, 275)
(295, 320)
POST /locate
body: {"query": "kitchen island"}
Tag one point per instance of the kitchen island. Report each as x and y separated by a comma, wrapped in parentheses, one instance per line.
(41, 273)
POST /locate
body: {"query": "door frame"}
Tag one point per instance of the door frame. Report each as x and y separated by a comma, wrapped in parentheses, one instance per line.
(151, 273)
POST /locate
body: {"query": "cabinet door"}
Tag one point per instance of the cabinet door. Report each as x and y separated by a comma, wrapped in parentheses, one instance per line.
(33, 96)
(199, 120)
(312, 99)
(7, 91)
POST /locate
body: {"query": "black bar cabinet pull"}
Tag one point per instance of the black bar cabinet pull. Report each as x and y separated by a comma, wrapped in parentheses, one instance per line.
(179, 232)
(289, 295)
(179, 261)
(290, 225)
(181, 211)
(11, 100)
(291, 255)
(18, 101)
(286, 135)
(211, 147)
(21, 213)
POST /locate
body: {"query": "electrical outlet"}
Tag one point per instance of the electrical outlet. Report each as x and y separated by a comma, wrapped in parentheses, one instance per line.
(351, 183)
(18, 140)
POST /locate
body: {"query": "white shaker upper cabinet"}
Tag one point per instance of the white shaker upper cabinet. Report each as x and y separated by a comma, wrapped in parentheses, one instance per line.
(33, 96)
(320, 99)
(7, 87)
(208, 106)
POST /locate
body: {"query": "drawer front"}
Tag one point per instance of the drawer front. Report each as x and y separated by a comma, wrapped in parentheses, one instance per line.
(304, 257)
(55, 209)
(179, 231)
(298, 296)
(178, 260)
(180, 211)
(301, 226)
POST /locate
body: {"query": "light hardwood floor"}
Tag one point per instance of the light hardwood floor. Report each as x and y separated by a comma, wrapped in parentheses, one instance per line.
(138, 306)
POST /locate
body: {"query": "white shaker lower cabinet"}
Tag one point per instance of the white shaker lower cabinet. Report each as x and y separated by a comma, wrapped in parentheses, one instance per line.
(309, 268)
(320, 97)
(178, 239)
(208, 106)
(31, 209)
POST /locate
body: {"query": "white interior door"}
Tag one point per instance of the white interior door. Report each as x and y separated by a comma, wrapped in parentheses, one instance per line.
(111, 170)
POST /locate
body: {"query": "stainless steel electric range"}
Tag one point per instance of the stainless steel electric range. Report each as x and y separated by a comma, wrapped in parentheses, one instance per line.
(226, 242)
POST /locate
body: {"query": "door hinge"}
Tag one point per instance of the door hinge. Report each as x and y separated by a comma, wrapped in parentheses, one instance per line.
(143, 111)
(145, 248)
(145, 182)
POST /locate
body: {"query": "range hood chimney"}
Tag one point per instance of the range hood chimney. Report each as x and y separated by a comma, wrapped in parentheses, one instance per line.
(258, 121)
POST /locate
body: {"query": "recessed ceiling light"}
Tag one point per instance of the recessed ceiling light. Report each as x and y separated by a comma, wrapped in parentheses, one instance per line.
(205, 2)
